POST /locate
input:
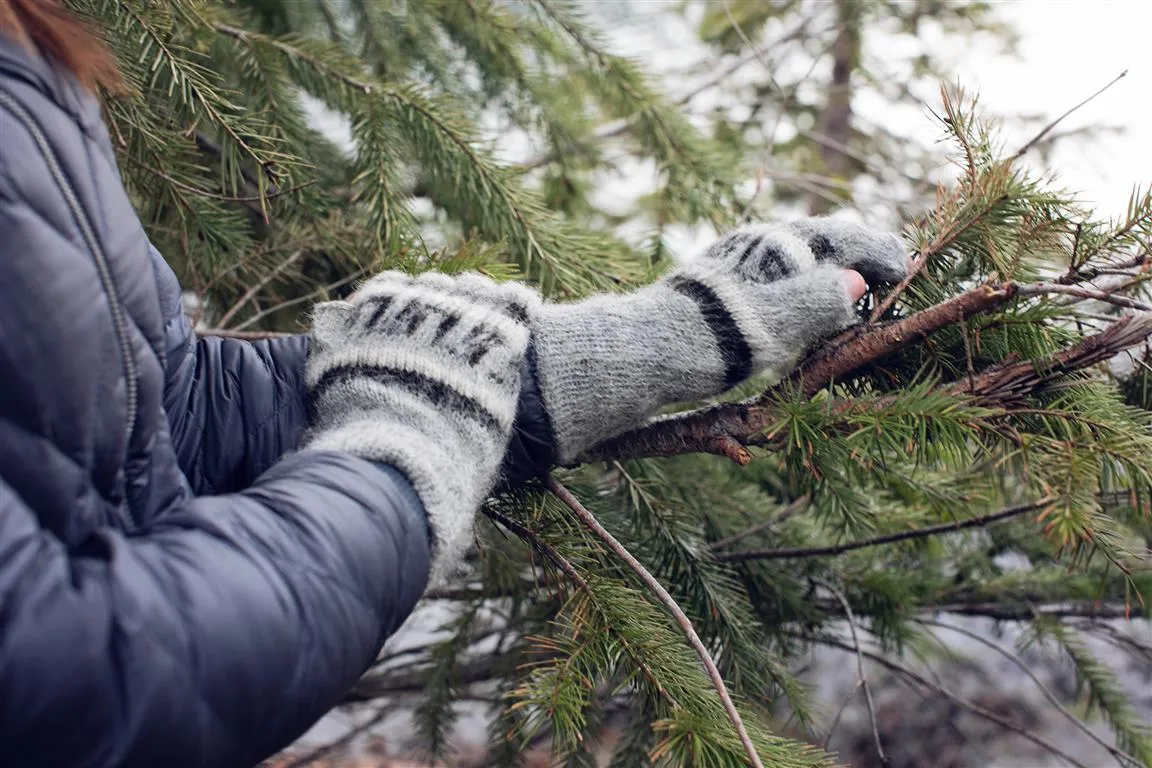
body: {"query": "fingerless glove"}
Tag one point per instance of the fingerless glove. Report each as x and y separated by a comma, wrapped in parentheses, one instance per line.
(752, 304)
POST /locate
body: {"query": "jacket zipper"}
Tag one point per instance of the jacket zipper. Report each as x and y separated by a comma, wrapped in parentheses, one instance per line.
(87, 232)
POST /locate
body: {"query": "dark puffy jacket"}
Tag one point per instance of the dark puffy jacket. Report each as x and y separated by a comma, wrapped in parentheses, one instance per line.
(173, 592)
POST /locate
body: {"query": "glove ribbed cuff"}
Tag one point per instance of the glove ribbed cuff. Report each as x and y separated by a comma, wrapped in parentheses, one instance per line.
(423, 374)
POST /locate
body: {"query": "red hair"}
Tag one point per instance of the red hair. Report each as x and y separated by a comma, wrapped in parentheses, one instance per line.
(48, 27)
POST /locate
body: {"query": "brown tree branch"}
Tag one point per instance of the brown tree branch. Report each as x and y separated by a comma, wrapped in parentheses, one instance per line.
(716, 429)
(1011, 380)
(725, 429)
(890, 538)
(874, 342)
(1039, 289)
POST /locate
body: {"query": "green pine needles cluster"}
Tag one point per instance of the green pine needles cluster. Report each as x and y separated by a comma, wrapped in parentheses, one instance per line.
(980, 446)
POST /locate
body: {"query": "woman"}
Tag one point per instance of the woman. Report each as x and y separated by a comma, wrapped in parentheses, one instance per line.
(204, 542)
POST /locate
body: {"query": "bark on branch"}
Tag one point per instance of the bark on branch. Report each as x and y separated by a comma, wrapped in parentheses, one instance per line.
(726, 429)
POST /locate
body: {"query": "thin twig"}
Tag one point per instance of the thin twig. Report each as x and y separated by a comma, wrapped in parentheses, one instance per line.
(414, 678)
(272, 274)
(960, 701)
(653, 584)
(1121, 641)
(1122, 757)
(919, 533)
(839, 595)
(301, 299)
(325, 749)
(784, 514)
(1044, 131)
(840, 713)
(1002, 612)
(1039, 289)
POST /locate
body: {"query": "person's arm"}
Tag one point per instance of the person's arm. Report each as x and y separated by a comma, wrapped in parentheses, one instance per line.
(214, 638)
(755, 301)
(235, 407)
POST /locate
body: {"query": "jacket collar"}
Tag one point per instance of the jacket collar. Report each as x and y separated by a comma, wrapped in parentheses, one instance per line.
(17, 61)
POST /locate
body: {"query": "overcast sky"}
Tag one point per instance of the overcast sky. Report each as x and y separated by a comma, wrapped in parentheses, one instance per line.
(1068, 50)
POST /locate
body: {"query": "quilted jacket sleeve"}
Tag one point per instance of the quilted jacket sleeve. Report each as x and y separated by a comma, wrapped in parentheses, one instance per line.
(235, 407)
(213, 638)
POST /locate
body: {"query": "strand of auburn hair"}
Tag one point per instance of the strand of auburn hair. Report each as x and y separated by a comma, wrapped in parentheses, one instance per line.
(54, 32)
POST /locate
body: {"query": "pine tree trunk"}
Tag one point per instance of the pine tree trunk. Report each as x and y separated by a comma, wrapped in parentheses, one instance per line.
(835, 121)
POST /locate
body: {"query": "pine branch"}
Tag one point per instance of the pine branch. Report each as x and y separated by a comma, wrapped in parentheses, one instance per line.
(657, 589)
(622, 126)
(549, 553)
(837, 549)
(463, 177)
(1104, 690)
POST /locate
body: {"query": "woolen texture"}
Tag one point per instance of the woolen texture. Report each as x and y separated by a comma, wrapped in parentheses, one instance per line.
(753, 303)
(423, 374)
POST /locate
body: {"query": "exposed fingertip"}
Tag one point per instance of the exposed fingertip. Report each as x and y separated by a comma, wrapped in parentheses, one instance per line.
(855, 284)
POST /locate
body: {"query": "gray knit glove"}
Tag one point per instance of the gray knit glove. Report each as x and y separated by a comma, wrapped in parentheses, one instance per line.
(752, 304)
(423, 374)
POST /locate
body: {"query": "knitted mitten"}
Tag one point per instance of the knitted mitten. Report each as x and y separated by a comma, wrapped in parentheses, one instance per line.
(423, 374)
(756, 300)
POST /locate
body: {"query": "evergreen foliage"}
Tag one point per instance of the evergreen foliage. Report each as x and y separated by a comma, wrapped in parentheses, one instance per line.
(888, 492)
